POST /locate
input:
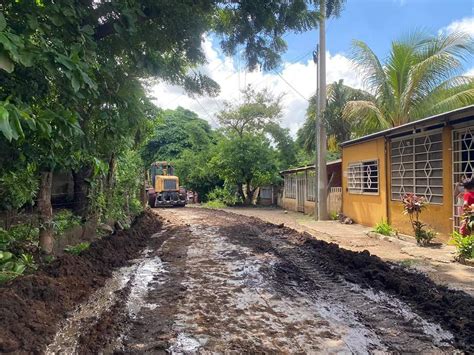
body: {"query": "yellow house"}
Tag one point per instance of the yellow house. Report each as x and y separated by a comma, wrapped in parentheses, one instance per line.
(427, 157)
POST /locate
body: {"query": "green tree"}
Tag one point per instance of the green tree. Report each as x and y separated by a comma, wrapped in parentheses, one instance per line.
(338, 129)
(176, 131)
(258, 111)
(421, 77)
(196, 172)
(285, 145)
(71, 72)
(245, 160)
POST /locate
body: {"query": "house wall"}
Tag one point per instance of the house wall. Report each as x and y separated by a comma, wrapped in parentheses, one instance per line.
(436, 216)
(364, 208)
(288, 203)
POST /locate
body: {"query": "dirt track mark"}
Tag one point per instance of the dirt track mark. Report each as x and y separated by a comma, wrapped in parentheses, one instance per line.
(212, 281)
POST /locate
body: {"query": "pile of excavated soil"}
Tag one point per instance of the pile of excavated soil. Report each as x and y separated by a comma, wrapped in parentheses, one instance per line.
(452, 309)
(32, 306)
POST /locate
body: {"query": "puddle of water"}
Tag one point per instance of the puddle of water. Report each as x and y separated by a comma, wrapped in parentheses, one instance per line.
(65, 340)
(138, 276)
(185, 344)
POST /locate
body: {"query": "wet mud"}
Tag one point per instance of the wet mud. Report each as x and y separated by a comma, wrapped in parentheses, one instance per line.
(32, 307)
(214, 282)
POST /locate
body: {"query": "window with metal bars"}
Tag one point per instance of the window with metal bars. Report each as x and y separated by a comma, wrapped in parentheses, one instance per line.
(463, 167)
(417, 167)
(364, 177)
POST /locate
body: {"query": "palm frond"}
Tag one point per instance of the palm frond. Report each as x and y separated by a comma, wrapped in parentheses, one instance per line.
(366, 116)
(371, 70)
(454, 93)
(437, 60)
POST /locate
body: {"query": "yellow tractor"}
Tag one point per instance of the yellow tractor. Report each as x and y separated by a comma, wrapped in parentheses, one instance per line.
(165, 189)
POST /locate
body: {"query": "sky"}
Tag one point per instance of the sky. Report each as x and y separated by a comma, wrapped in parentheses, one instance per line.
(376, 22)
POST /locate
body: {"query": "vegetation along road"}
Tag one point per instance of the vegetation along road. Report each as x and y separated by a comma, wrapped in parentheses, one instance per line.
(203, 280)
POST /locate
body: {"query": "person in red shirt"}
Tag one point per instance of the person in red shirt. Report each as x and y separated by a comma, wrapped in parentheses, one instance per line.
(468, 185)
(465, 229)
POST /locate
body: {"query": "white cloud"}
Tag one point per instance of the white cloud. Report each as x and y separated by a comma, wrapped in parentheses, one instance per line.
(224, 70)
(464, 25)
(470, 72)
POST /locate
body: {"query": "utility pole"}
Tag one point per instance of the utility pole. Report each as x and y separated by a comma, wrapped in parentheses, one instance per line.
(321, 129)
(316, 131)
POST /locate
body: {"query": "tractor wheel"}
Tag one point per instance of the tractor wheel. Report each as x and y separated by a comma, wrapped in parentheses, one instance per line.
(151, 200)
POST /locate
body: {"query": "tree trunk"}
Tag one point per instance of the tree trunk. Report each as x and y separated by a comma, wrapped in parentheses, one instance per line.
(249, 197)
(45, 212)
(110, 179)
(81, 190)
(240, 191)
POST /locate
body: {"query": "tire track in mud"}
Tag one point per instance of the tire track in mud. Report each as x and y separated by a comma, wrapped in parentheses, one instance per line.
(376, 322)
(228, 283)
(301, 271)
(229, 306)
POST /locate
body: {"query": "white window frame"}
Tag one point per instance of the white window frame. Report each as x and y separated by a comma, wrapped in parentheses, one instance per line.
(461, 168)
(357, 174)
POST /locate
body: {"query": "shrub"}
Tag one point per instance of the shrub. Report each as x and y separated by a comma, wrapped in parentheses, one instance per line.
(464, 239)
(413, 205)
(12, 266)
(464, 245)
(78, 248)
(64, 220)
(334, 216)
(215, 204)
(383, 228)
(225, 194)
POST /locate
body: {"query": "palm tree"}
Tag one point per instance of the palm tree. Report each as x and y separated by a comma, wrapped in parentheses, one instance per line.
(338, 130)
(421, 77)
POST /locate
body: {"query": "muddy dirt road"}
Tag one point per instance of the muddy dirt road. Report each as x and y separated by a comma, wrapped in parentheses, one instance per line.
(210, 281)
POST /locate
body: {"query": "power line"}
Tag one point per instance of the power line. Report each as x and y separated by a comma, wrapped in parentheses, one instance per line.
(291, 86)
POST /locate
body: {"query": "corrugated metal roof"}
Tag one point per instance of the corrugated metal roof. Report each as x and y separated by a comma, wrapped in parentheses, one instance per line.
(308, 167)
(445, 117)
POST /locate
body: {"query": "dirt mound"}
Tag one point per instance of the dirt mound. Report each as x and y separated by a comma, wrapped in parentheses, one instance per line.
(454, 310)
(31, 306)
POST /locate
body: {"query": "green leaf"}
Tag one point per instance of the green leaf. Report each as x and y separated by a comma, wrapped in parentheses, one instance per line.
(5, 256)
(26, 58)
(3, 22)
(5, 124)
(19, 268)
(86, 78)
(15, 118)
(87, 29)
(33, 22)
(5, 62)
(62, 59)
(76, 85)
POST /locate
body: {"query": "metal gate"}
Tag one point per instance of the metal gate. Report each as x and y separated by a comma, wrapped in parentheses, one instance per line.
(300, 189)
(463, 166)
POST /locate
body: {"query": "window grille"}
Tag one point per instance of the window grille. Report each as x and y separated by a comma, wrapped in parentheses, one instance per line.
(364, 177)
(310, 185)
(463, 166)
(417, 167)
(290, 186)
